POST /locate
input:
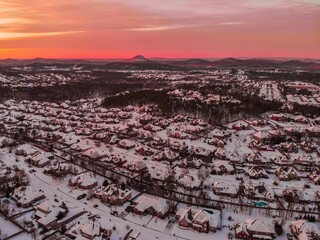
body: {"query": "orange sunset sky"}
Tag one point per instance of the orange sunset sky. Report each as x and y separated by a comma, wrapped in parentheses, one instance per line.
(159, 28)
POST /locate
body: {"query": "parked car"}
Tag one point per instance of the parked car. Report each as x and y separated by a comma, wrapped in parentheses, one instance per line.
(114, 213)
(81, 196)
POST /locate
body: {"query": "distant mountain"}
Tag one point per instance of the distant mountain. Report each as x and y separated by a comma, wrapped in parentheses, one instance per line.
(264, 63)
(193, 64)
(42, 61)
(234, 62)
(9, 62)
(295, 63)
(139, 62)
(137, 59)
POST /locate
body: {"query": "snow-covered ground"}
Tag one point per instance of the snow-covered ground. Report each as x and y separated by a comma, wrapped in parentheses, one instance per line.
(235, 147)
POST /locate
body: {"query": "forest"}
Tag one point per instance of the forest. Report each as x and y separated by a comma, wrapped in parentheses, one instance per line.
(214, 114)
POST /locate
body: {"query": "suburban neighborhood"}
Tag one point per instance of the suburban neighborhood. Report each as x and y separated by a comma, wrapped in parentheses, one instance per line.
(82, 171)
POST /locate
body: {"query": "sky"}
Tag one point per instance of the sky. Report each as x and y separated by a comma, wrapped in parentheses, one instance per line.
(159, 28)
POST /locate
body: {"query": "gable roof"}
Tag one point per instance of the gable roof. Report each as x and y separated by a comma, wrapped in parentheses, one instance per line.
(259, 226)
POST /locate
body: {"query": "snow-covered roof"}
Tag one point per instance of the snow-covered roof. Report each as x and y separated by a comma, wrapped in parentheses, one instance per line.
(258, 226)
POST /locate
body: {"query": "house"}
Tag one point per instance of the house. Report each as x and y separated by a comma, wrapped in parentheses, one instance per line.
(315, 177)
(188, 181)
(240, 125)
(152, 128)
(166, 155)
(253, 158)
(277, 135)
(217, 133)
(288, 147)
(224, 188)
(304, 230)
(198, 122)
(200, 152)
(112, 194)
(40, 159)
(128, 108)
(307, 146)
(259, 122)
(191, 162)
(47, 214)
(241, 231)
(313, 131)
(261, 136)
(294, 131)
(177, 146)
(213, 99)
(93, 153)
(216, 142)
(199, 220)
(254, 230)
(136, 166)
(179, 118)
(156, 142)
(85, 230)
(255, 172)
(163, 123)
(222, 167)
(7, 178)
(260, 146)
(144, 151)
(145, 118)
(150, 205)
(220, 153)
(287, 173)
(176, 93)
(117, 159)
(260, 192)
(25, 196)
(300, 119)
(146, 135)
(281, 117)
(292, 194)
(177, 134)
(280, 160)
(307, 159)
(58, 169)
(194, 129)
(66, 129)
(84, 181)
(25, 150)
(6, 142)
(124, 115)
(126, 144)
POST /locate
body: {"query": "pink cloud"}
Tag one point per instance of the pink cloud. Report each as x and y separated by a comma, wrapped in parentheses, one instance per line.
(186, 28)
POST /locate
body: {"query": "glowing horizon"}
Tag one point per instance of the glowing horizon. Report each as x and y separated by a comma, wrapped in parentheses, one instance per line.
(101, 29)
